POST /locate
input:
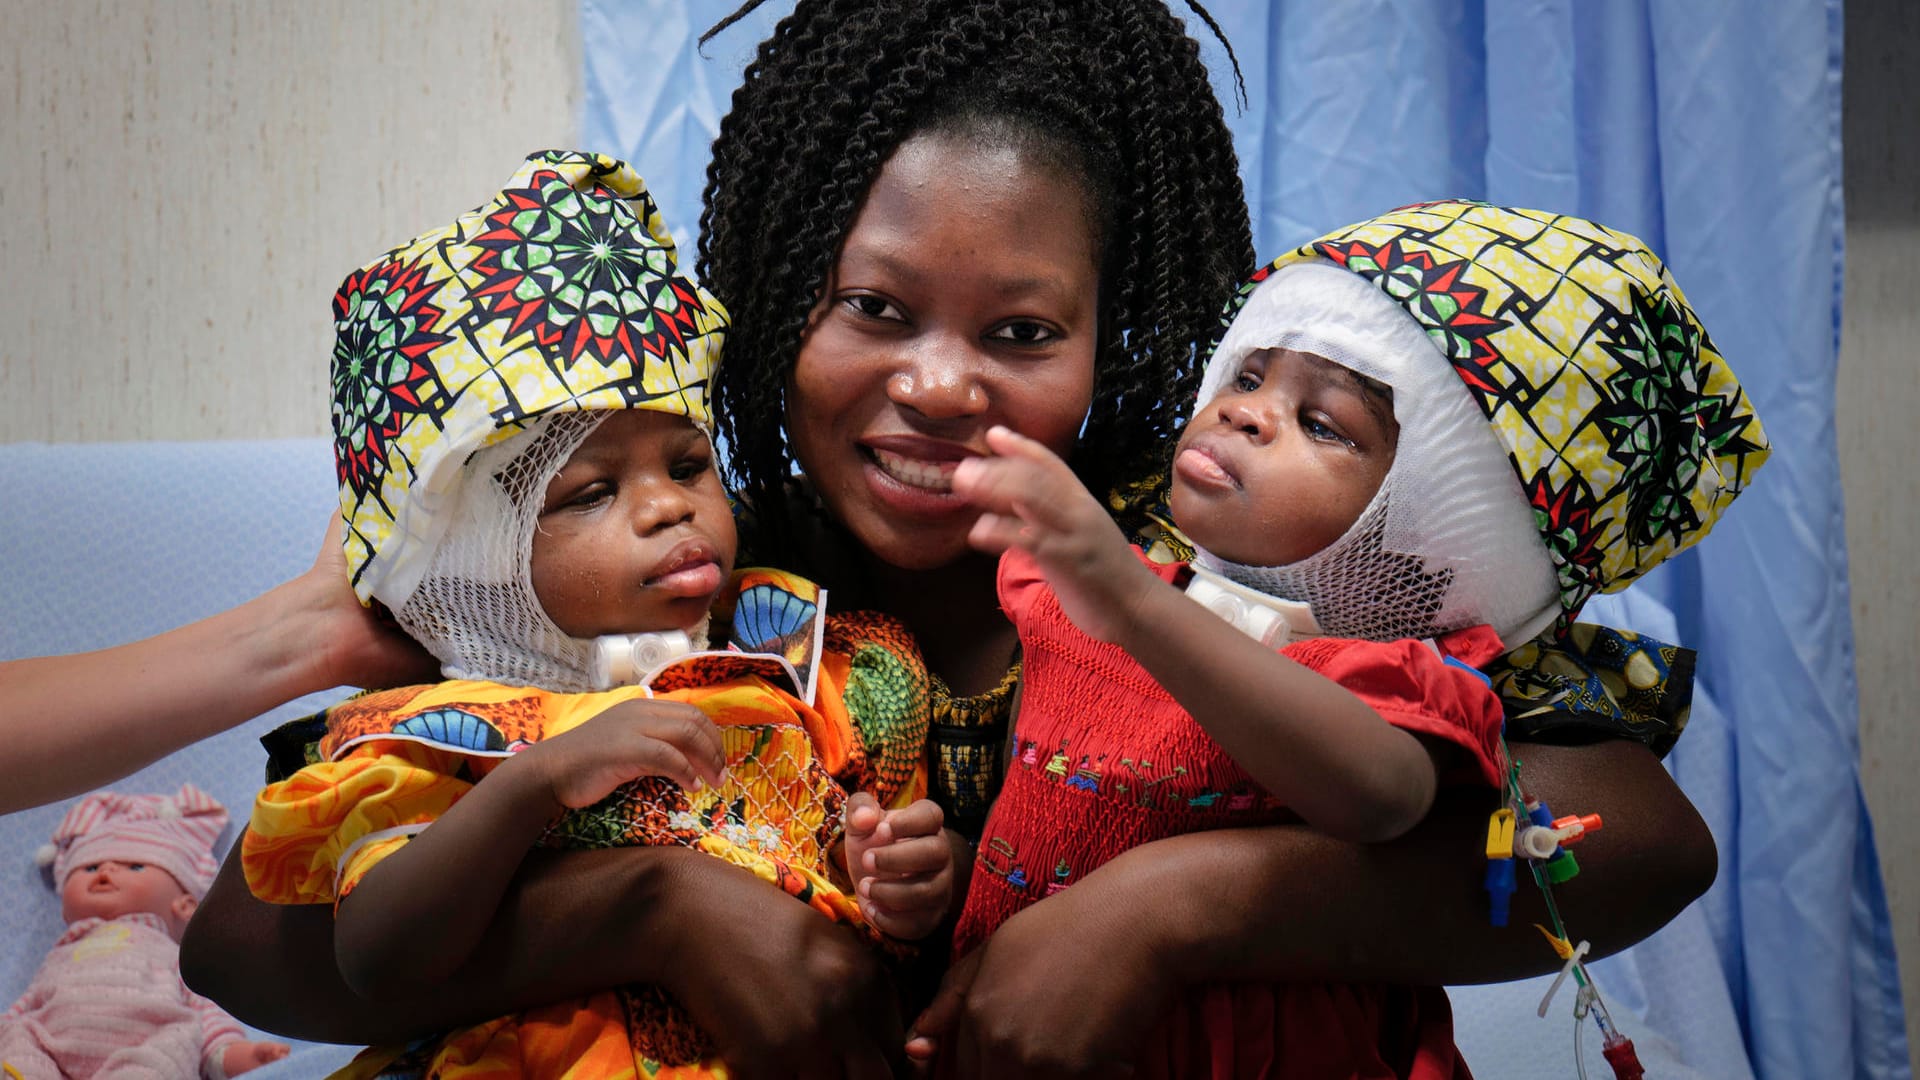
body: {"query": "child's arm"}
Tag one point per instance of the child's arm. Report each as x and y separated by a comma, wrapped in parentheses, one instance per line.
(416, 917)
(903, 864)
(1304, 737)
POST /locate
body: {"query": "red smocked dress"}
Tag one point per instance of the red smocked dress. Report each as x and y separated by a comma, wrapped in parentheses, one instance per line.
(1104, 760)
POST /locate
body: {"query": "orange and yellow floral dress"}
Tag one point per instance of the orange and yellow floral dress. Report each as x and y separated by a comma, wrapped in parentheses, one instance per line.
(391, 762)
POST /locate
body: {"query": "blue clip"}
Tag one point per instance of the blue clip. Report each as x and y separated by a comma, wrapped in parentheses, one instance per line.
(1499, 889)
(1485, 679)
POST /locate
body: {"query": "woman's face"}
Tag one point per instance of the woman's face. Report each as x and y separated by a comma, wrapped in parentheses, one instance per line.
(964, 296)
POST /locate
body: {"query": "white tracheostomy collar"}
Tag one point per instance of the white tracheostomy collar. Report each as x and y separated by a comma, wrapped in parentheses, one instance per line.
(1449, 540)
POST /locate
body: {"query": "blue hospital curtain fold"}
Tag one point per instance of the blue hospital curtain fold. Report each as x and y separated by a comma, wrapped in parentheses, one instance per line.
(1709, 128)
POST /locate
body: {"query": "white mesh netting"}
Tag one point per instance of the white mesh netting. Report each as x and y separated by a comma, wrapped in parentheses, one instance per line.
(475, 607)
(1449, 540)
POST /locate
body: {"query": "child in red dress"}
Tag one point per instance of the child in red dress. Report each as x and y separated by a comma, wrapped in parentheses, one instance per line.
(1424, 441)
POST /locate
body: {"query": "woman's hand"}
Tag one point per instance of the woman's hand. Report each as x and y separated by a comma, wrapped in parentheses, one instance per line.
(1069, 987)
(781, 990)
(1075, 984)
(356, 646)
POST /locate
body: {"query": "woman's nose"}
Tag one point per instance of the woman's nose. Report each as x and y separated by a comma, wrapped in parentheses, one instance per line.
(940, 379)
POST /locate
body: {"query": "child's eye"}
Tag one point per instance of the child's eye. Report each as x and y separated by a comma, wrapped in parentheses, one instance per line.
(136, 866)
(1024, 332)
(691, 468)
(1319, 429)
(1246, 382)
(588, 497)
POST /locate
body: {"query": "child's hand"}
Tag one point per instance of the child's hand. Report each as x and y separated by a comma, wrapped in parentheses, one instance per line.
(937, 1021)
(628, 741)
(1033, 501)
(245, 1056)
(901, 864)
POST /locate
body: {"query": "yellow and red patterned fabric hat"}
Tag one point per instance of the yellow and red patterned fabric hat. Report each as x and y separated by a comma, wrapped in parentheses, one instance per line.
(560, 294)
(1627, 429)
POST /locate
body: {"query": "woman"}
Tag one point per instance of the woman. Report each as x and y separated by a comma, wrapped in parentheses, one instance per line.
(882, 168)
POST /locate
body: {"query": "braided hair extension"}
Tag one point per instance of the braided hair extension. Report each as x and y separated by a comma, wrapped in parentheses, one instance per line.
(1112, 92)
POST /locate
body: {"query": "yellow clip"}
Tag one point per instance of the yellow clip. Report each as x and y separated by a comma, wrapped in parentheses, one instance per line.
(1500, 834)
(1561, 946)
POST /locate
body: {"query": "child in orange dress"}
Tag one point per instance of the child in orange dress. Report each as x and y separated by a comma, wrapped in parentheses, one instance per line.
(528, 483)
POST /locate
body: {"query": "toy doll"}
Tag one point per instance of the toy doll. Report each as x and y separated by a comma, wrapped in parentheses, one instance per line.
(108, 1003)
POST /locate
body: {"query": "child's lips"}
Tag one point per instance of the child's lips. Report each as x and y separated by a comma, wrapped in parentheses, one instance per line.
(1198, 466)
(689, 570)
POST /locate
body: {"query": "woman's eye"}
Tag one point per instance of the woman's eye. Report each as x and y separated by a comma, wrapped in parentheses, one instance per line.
(872, 307)
(1024, 332)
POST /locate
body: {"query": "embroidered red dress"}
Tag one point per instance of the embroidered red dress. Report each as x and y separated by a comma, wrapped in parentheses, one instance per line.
(1104, 760)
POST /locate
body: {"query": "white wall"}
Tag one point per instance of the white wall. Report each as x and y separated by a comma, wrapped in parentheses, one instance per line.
(183, 184)
(1879, 437)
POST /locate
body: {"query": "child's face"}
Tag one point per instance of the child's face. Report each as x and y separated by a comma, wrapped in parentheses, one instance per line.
(635, 534)
(964, 296)
(110, 889)
(1283, 460)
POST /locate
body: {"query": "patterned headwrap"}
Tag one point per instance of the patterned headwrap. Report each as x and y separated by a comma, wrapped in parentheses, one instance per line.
(1627, 429)
(558, 295)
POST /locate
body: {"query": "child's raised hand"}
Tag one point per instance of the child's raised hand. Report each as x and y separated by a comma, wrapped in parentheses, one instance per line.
(901, 864)
(629, 740)
(1033, 501)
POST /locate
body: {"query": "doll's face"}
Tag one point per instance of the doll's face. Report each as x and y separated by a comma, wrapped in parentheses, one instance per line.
(1283, 460)
(110, 889)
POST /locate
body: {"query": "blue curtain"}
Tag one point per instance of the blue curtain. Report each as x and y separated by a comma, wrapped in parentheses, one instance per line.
(1711, 129)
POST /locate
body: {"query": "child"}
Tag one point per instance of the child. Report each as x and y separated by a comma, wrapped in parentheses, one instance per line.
(108, 1002)
(528, 484)
(1348, 501)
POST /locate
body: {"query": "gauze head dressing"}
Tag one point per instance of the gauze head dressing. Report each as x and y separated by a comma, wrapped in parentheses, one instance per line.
(469, 363)
(560, 294)
(1448, 541)
(1623, 425)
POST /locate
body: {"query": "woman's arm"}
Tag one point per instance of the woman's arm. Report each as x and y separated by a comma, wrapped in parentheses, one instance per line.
(72, 723)
(1290, 904)
(770, 979)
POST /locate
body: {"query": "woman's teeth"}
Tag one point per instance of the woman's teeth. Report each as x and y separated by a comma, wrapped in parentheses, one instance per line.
(927, 475)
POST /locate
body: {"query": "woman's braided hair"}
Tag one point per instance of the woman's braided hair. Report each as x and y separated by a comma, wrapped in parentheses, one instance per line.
(1113, 91)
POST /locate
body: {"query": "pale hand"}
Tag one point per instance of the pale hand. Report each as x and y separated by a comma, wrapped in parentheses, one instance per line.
(1033, 501)
(245, 1056)
(357, 647)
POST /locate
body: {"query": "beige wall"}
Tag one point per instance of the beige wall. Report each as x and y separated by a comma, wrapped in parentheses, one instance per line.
(1879, 401)
(184, 183)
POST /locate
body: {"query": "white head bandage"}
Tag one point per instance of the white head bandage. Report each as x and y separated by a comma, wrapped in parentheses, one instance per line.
(1449, 540)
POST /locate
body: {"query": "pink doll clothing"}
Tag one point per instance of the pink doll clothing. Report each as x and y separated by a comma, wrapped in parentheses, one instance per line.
(108, 1004)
